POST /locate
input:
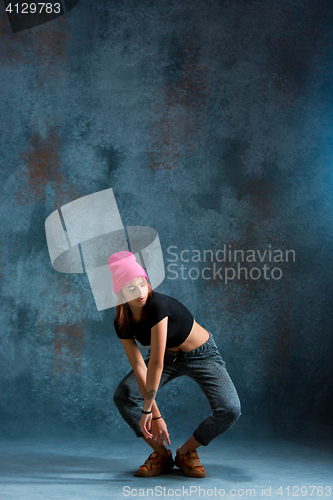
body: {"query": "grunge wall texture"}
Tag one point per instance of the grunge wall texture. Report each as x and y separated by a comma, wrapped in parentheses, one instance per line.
(213, 123)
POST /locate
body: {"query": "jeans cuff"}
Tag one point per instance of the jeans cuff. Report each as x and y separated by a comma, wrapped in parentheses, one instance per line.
(199, 440)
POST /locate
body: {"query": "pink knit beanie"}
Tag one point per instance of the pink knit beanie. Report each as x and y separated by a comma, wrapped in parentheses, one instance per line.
(124, 268)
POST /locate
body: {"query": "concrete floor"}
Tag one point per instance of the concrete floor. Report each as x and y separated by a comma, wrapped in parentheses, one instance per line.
(96, 469)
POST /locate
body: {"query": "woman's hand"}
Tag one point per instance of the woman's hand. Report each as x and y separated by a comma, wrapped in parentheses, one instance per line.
(145, 424)
(159, 431)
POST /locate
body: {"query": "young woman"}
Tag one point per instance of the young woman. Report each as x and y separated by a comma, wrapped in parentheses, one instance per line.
(178, 346)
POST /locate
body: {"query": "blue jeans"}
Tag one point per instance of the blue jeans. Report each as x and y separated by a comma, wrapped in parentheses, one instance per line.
(204, 365)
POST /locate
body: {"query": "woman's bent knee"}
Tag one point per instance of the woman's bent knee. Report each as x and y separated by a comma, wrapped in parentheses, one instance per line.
(234, 411)
(125, 395)
(119, 395)
(228, 414)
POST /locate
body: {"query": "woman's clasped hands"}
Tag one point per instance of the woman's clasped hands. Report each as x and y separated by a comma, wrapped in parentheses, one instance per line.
(154, 429)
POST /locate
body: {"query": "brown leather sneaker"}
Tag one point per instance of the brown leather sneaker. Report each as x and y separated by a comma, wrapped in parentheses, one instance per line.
(156, 464)
(190, 464)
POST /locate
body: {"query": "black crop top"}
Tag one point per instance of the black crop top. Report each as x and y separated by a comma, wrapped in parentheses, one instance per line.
(157, 307)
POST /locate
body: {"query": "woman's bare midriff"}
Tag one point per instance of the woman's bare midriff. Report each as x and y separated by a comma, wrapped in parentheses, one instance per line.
(196, 338)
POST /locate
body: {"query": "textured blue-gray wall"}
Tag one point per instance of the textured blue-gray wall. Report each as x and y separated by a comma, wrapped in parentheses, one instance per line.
(212, 122)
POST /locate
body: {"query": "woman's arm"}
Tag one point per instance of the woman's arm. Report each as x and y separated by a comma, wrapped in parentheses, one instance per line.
(156, 361)
(139, 367)
(149, 379)
(154, 372)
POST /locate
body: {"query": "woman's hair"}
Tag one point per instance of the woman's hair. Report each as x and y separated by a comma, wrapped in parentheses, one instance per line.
(123, 311)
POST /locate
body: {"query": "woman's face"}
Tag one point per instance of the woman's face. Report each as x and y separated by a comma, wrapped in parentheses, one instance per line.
(135, 293)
